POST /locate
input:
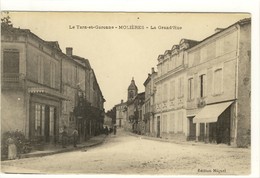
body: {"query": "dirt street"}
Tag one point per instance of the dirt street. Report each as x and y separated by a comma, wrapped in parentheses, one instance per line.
(126, 154)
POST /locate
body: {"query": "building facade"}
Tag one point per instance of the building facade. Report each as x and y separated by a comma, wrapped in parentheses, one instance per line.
(170, 98)
(46, 89)
(149, 104)
(132, 92)
(121, 110)
(203, 88)
(31, 84)
(108, 122)
(218, 76)
(88, 108)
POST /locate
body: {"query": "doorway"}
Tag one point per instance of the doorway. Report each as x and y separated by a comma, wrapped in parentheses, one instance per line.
(192, 129)
(158, 127)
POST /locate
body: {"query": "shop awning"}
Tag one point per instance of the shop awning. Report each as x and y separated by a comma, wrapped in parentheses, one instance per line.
(47, 91)
(210, 113)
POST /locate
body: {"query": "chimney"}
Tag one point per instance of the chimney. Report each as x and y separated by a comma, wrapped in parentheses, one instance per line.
(69, 51)
(152, 70)
(218, 30)
(122, 101)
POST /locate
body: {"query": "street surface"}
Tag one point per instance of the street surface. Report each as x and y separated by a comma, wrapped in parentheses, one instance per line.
(127, 154)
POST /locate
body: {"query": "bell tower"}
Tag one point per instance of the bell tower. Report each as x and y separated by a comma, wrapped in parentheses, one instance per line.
(132, 90)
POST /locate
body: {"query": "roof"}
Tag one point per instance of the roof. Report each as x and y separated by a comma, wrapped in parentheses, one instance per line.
(82, 61)
(132, 86)
(190, 43)
(148, 79)
(121, 104)
(9, 29)
(240, 22)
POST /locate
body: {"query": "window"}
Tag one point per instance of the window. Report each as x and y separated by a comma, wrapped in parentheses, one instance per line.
(46, 72)
(211, 50)
(202, 85)
(218, 81)
(167, 65)
(174, 60)
(43, 118)
(172, 90)
(159, 94)
(40, 69)
(11, 62)
(181, 87)
(165, 92)
(203, 54)
(38, 120)
(191, 59)
(179, 59)
(53, 74)
(51, 121)
(190, 89)
(196, 58)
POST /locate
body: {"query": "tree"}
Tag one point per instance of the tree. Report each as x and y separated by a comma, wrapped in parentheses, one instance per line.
(6, 19)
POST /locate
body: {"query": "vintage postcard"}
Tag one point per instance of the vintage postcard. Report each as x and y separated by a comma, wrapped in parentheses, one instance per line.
(126, 93)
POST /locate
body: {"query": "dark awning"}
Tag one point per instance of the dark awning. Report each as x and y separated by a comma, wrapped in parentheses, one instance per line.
(47, 91)
(210, 113)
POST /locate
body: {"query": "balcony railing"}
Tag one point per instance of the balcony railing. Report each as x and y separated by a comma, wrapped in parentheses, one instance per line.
(12, 77)
(12, 80)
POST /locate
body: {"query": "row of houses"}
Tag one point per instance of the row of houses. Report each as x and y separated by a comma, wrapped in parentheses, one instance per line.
(201, 91)
(44, 90)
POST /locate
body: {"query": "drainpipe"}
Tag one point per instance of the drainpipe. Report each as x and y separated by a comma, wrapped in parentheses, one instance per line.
(60, 109)
(26, 95)
(236, 85)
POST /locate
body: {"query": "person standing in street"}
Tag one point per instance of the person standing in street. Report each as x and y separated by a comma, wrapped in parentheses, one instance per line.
(12, 149)
(64, 137)
(115, 130)
(75, 135)
(106, 130)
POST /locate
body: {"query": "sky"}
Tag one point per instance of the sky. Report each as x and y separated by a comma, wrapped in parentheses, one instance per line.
(117, 55)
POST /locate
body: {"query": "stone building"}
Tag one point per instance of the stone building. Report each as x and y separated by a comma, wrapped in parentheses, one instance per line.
(149, 104)
(134, 114)
(108, 122)
(170, 98)
(85, 110)
(218, 76)
(137, 121)
(203, 88)
(121, 110)
(31, 84)
(132, 92)
(44, 89)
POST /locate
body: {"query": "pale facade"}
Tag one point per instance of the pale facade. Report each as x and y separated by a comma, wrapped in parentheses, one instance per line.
(203, 88)
(218, 69)
(121, 113)
(31, 96)
(170, 96)
(149, 104)
(43, 89)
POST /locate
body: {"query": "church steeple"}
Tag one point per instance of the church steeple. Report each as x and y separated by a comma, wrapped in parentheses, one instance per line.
(132, 90)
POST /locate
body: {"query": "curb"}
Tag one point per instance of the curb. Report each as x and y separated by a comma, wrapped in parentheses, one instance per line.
(22, 156)
(178, 142)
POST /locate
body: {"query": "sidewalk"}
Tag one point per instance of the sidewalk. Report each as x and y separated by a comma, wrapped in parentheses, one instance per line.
(193, 143)
(58, 148)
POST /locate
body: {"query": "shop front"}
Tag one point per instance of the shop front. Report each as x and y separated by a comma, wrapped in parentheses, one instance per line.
(44, 113)
(214, 123)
